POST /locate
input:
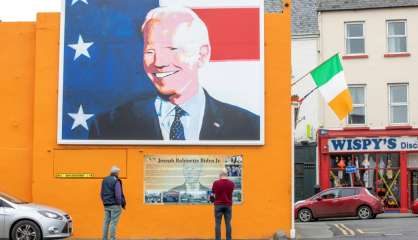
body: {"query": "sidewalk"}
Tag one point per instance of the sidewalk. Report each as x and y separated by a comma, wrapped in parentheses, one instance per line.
(397, 215)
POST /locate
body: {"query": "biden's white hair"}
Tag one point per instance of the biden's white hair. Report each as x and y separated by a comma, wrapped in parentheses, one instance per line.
(189, 35)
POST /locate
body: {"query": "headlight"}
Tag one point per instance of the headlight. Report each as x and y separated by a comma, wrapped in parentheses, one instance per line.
(49, 214)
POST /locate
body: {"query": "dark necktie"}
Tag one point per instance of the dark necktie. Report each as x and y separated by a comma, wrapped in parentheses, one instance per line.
(177, 130)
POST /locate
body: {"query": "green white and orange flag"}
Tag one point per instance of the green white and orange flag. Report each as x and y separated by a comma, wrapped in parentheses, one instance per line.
(329, 79)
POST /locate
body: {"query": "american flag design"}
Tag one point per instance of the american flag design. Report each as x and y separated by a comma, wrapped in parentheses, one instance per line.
(101, 61)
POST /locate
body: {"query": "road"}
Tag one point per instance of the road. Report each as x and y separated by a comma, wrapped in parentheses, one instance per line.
(380, 228)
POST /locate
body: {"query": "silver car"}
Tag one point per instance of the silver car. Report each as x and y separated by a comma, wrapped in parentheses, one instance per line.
(21, 220)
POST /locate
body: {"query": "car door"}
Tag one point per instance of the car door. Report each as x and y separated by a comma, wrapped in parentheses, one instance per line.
(325, 204)
(348, 201)
(2, 230)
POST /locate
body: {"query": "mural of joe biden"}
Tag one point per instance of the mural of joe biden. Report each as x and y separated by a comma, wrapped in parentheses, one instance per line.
(176, 46)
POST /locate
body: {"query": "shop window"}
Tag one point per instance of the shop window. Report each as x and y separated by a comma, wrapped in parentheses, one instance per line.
(364, 177)
(354, 38)
(388, 183)
(413, 161)
(358, 115)
(397, 38)
(380, 173)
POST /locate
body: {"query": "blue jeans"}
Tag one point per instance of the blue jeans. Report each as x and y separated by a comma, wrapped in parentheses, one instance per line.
(226, 212)
(112, 215)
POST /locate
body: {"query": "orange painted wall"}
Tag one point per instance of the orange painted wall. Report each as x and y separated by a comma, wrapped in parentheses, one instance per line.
(17, 52)
(267, 169)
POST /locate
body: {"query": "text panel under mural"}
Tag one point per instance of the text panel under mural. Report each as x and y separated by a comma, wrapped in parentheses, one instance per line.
(188, 179)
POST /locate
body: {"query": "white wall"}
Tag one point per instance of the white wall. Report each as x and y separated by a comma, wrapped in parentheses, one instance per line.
(376, 71)
(304, 59)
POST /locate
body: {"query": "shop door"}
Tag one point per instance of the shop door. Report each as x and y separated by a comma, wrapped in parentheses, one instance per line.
(413, 186)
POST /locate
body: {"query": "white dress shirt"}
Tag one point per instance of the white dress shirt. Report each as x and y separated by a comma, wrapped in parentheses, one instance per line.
(192, 119)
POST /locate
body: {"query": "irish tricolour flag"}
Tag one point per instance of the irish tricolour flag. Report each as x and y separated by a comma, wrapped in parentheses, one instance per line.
(329, 79)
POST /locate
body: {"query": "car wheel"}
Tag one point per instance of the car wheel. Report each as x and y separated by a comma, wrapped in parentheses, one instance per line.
(305, 215)
(26, 230)
(364, 212)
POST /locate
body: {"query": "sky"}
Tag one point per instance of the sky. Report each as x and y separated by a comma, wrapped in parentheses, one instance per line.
(25, 10)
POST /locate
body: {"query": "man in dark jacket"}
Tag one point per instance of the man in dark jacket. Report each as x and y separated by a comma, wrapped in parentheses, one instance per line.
(113, 201)
(222, 189)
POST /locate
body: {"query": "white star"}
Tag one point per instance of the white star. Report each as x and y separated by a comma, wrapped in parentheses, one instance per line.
(75, 1)
(80, 118)
(81, 48)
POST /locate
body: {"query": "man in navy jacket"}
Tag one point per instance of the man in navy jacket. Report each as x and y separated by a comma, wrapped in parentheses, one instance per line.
(113, 200)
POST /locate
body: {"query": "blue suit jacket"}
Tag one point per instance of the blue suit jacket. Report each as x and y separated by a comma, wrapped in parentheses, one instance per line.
(138, 120)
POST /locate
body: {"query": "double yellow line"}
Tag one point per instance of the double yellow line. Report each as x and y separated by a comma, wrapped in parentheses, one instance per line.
(344, 229)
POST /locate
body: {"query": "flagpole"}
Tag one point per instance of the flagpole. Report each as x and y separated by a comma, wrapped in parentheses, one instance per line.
(300, 79)
(307, 95)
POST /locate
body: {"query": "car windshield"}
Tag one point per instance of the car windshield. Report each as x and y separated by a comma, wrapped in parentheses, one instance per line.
(12, 199)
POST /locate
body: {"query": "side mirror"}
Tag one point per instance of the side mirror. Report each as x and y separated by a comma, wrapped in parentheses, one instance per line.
(319, 199)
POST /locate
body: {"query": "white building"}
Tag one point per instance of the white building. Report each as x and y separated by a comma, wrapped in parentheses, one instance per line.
(378, 41)
(305, 57)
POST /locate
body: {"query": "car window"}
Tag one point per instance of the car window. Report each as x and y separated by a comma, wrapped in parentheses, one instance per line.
(330, 194)
(347, 192)
(4, 204)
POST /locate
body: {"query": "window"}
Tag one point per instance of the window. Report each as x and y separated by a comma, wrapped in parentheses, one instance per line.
(396, 31)
(398, 101)
(378, 172)
(358, 115)
(348, 192)
(354, 39)
(331, 194)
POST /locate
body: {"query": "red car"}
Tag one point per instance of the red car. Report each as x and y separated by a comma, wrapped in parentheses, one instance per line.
(415, 207)
(339, 202)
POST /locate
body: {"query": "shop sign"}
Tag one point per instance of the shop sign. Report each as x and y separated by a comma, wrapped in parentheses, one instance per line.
(377, 144)
(350, 169)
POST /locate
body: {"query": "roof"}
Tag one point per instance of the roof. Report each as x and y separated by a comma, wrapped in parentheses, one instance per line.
(341, 5)
(273, 5)
(304, 17)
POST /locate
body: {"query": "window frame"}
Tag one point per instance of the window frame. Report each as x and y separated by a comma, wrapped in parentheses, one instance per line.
(346, 37)
(396, 36)
(398, 104)
(359, 105)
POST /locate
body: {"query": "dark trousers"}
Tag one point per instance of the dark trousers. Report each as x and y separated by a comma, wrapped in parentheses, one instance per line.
(226, 212)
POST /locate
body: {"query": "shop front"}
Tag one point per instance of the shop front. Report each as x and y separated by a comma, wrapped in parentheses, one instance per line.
(384, 161)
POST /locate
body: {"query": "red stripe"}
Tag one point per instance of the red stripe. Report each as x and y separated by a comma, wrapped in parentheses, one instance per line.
(234, 32)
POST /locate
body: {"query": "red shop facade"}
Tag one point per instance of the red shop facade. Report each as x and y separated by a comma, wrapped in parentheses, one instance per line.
(386, 162)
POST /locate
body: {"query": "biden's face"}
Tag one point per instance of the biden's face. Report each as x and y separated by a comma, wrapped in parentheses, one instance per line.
(171, 67)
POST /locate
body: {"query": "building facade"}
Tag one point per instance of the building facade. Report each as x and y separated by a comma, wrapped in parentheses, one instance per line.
(305, 57)
(378, 42)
